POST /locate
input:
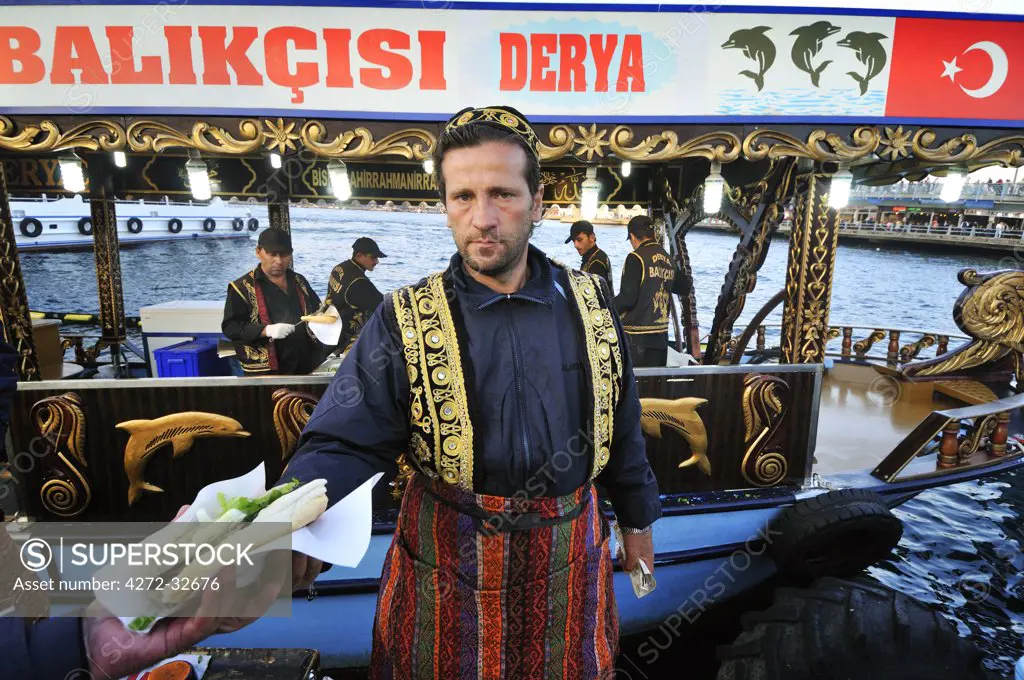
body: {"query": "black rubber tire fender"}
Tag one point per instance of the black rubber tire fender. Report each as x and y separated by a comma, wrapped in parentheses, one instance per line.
(848, 630)
(238, 224)
(85, 226)
(253, 224)
(209, 224)
(134, 225)
(31, 227)
(174, 225)
(838, 533)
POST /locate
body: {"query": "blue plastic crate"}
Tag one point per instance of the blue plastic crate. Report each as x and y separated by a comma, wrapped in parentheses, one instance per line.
(192, 359)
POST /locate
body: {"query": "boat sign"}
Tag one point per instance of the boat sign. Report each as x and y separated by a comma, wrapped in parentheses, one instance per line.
(424, 62)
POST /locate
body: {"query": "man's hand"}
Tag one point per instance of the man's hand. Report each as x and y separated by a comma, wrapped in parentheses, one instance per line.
(637, 547)
(278, 331)
(305, 569)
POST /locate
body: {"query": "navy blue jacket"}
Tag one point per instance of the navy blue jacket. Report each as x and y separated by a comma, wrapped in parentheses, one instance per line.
(527, 390)
(51, 648)
(48, 650)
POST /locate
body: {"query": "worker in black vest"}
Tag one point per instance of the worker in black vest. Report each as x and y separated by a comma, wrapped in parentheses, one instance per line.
(648, 280)
(352, 294)
(595, 260)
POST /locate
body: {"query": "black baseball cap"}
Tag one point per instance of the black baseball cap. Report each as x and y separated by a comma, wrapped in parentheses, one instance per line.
(641, 225)
(580, 227)
(365, 244)
(275, 240)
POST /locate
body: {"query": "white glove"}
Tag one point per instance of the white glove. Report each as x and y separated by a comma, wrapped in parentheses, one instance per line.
(278, 331)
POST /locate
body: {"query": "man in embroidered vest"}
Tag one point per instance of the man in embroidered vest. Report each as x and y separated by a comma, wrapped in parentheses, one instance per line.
(648, 281)
(595, 260)
(501, 387)
(263, 308)
(352, 293)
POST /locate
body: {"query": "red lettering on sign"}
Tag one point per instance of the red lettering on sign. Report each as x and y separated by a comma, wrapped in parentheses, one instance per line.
(218, 54)
(542, 79)
(74, 49)
(371, 48)
(513, 61)
(530, 57)
(572, 75)
(179, 55)
(631, 66)
(432, 60)
(603, 52)
(278, 59)
(18, 45)
(339, 66)
(122, 60)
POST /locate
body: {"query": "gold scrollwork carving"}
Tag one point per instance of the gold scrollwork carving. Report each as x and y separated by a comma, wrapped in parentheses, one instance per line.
(679, 415)
(976, 435)
(292, 411)
(723, 147)
(991, 312)
(862, 347)
(411, 143)
(60, 422)
(94, 135)
(180, 430)
(765, 402)
(149, 135)
(821, 145)
(912, 349)
(1006, 151)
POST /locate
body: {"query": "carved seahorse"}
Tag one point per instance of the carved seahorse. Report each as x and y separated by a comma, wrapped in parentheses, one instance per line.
(60, 421)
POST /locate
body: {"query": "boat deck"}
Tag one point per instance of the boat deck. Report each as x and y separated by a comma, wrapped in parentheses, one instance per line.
(865, 413)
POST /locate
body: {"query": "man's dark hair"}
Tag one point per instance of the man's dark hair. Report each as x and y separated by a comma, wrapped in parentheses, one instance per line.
(641, 226)
(471, 135)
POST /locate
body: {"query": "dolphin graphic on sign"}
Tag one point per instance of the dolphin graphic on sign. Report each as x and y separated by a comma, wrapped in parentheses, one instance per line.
(870, 52)
(808, 43)
(757, 46)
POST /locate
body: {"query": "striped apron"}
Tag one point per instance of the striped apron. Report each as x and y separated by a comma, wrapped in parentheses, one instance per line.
(487, 587)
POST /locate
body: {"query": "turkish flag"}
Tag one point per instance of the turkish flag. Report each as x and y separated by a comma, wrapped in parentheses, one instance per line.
(946, 68)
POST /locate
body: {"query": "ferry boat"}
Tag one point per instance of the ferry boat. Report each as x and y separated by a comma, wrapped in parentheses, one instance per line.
(809, 443)
(47, 223)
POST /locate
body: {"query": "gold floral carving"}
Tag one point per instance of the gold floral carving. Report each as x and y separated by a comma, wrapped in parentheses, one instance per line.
(723, 147)
(292, 411)
(411, 144)
(821, 145)
(180, 430)
(765, 402)
(896, 143)
(148, 135)
(991, 312)
(279, 136)
(681, 416)
(94, 135)
(590, 142)
(60, 422)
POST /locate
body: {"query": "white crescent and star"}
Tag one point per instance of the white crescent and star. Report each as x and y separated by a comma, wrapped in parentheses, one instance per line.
(1000, 69)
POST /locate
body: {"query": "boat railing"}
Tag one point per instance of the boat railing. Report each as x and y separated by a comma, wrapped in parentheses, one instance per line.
(932, 190)
(879, 344)
(964, 229)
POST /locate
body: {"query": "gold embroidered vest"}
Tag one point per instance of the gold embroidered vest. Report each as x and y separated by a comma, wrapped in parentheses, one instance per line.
(441, 443)
(260, 356)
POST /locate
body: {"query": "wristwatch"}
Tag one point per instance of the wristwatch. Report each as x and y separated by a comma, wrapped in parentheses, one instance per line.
(630, 530)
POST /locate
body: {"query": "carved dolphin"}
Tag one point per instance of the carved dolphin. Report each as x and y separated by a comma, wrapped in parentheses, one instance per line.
(680, 415)
(870, 52)
(180, 430)
(757, 46)
(808, 43)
